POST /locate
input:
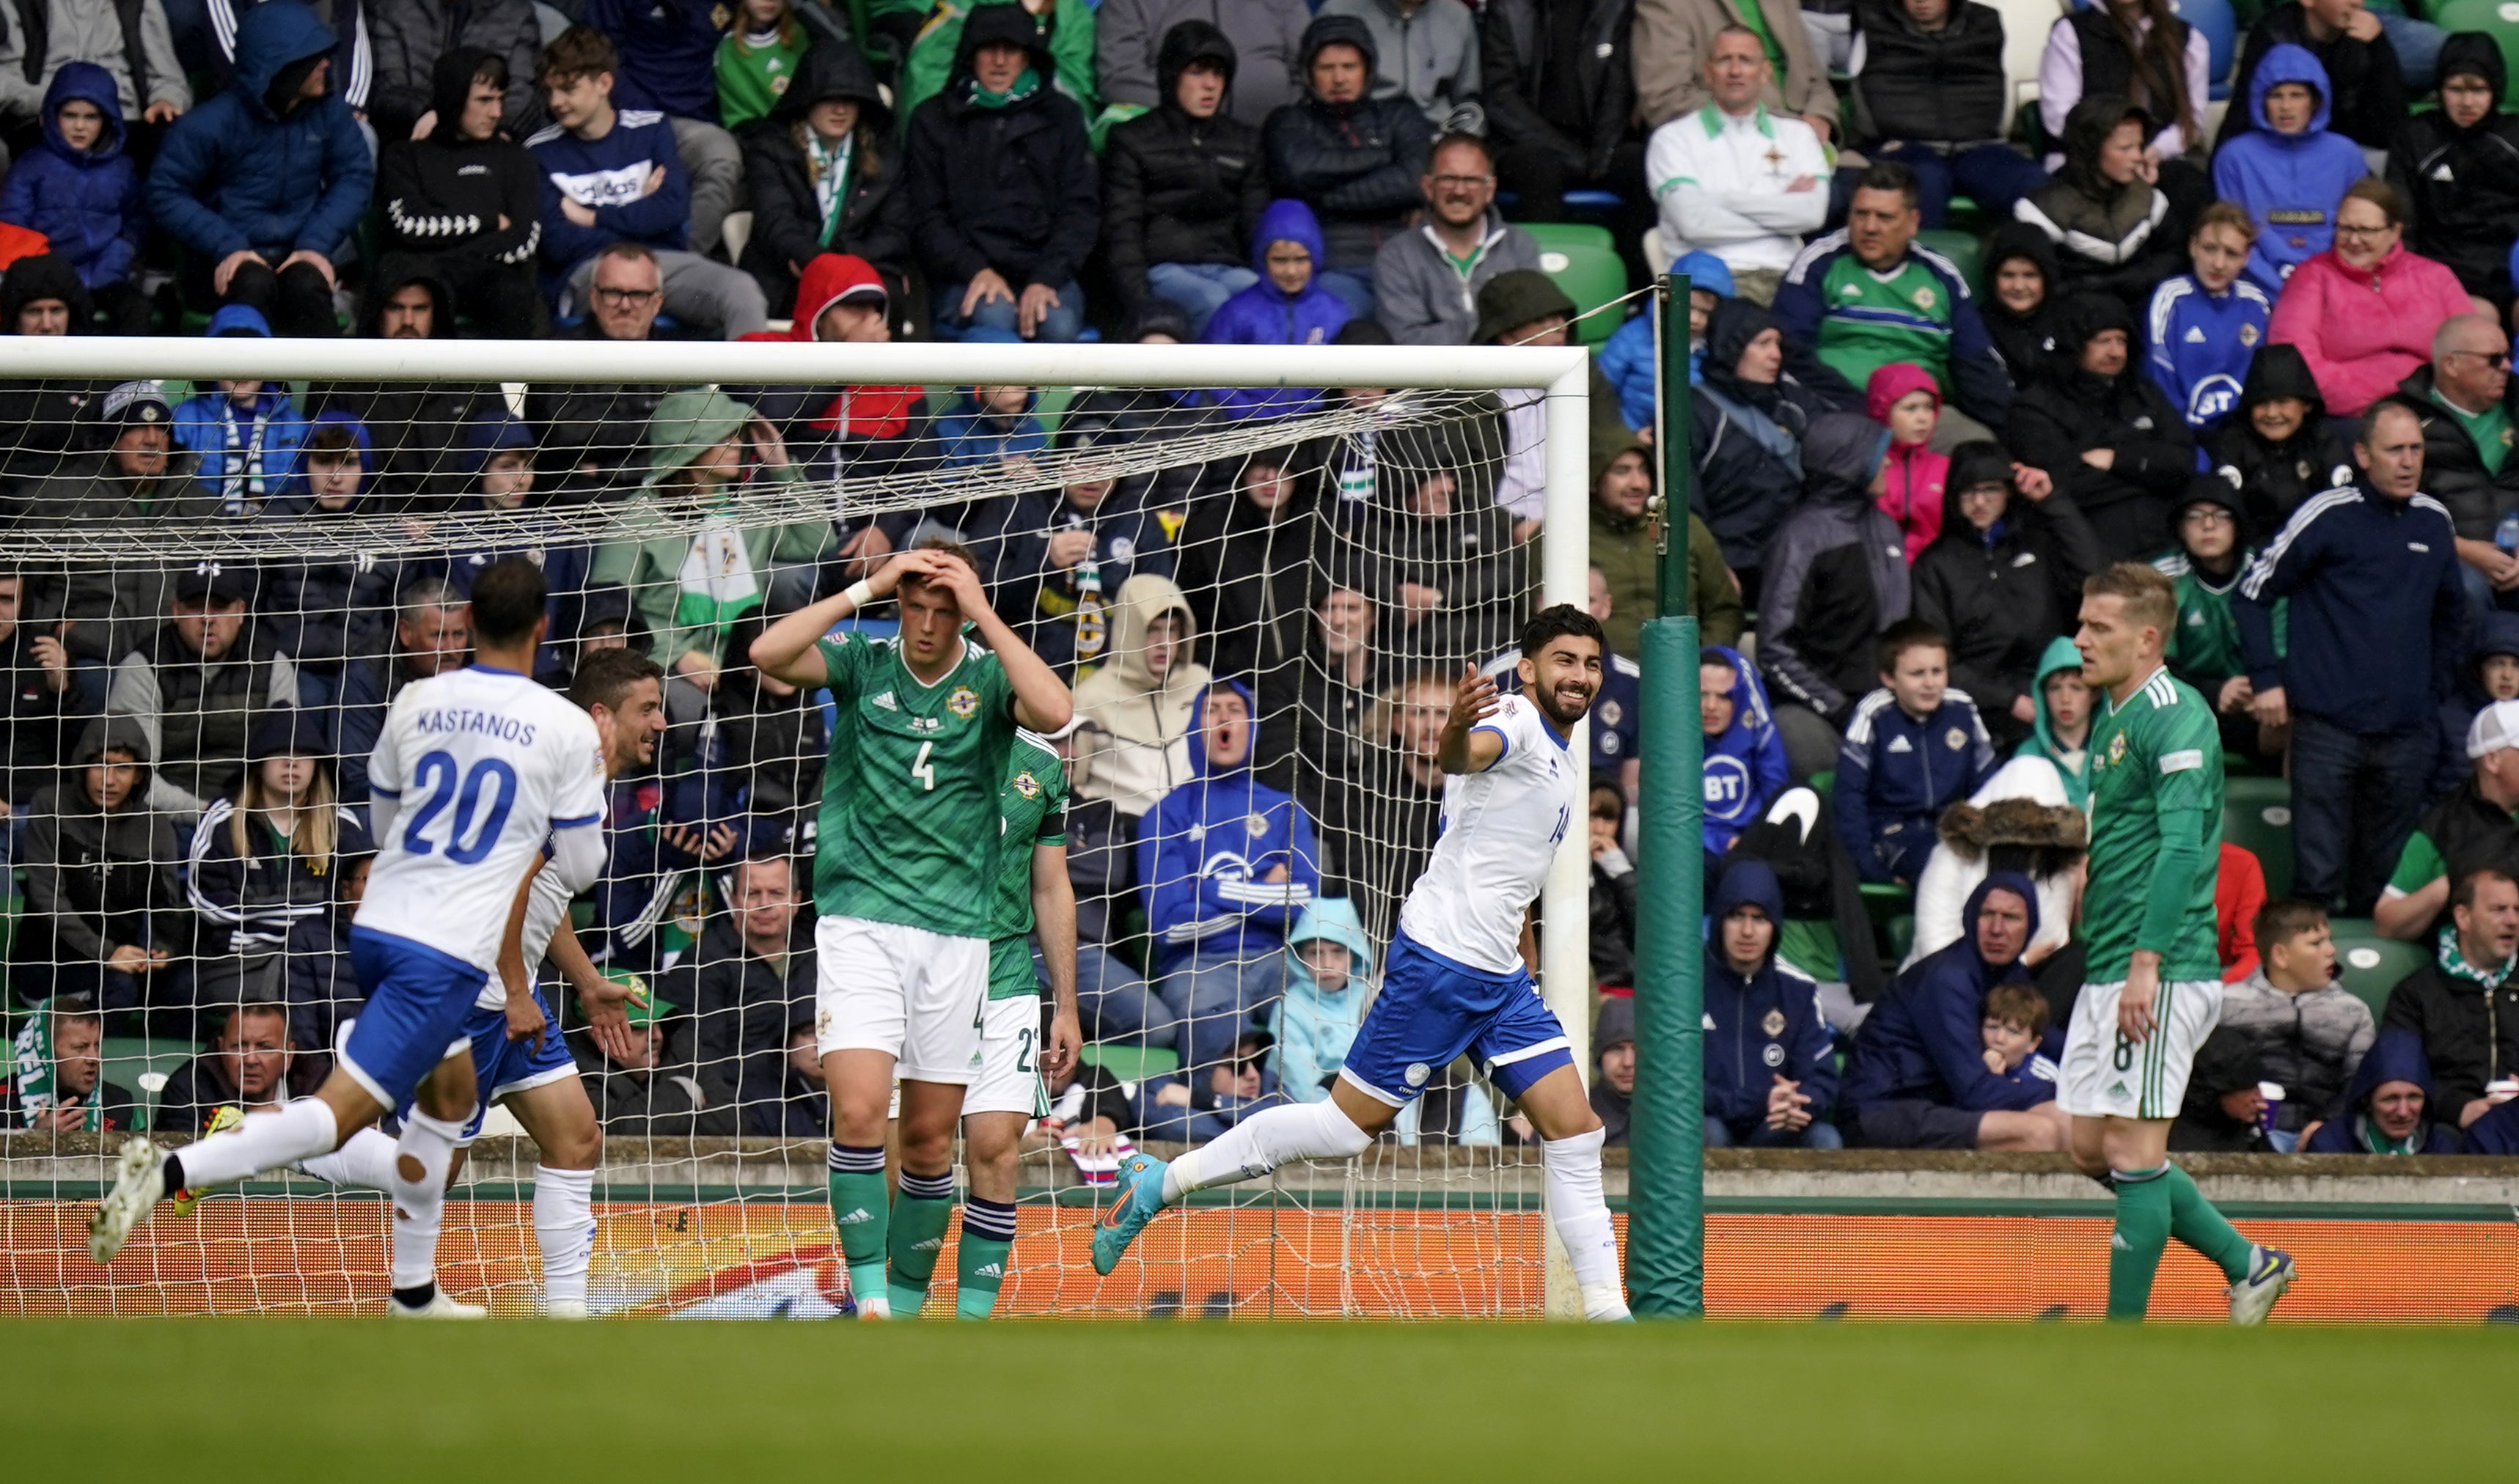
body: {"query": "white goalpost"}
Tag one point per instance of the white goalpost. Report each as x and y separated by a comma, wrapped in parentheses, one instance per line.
(46, 1172)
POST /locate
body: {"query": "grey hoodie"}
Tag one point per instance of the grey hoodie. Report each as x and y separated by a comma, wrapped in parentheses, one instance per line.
(1430, 57)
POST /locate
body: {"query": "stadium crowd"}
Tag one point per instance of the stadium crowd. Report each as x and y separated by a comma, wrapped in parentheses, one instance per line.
(2248, 329)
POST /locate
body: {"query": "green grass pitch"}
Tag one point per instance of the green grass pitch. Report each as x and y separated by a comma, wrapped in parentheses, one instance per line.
(519, 1401)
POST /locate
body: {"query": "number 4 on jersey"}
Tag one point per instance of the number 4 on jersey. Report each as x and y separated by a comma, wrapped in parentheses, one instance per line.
(921, 770)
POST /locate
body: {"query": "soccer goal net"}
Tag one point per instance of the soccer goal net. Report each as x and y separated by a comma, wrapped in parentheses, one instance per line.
(1262, 571)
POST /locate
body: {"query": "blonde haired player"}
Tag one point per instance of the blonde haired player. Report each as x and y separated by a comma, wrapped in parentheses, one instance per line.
(2155, 972)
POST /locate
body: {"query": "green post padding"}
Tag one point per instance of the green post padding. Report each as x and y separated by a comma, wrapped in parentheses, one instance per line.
(1667, 1182)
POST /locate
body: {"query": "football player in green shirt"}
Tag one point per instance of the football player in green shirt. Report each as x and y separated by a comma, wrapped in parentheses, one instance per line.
(904, 874)
(2154, 991)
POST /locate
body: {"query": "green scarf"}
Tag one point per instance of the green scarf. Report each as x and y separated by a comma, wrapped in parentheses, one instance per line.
(1025, 86)
(830, 169)
(2367, 1129)
(35, 1069)
(2454, 963)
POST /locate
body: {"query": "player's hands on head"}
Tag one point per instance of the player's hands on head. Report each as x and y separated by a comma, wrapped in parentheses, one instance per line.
(887, 578)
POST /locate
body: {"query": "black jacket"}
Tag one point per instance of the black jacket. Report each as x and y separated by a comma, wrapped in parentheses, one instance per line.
(35, 723)
(1941, 87)
(2273, 478)
(787, 216)
(1252, 582)
(2055, 422)
(2461, 185)
(743, 1006)
(1519, 75)
(446, 192)
(1177, 188)
(2472, 831)
(1355, 164)
(666, 1102)
(1467, 552)
(2225, 1063)
(415, 429)
(1744, 486)
(2368, 100)
(99, 881)
(2453, 473)
(1011, 188)
(2028, 342)
(2470, 1035)
(2120, 240)
(2003, 594)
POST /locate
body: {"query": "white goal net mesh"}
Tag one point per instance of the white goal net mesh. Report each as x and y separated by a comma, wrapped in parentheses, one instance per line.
(211, 589)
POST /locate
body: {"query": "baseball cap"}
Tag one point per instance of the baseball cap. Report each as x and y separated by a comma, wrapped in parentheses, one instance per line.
(213, 582)
(2494, 729)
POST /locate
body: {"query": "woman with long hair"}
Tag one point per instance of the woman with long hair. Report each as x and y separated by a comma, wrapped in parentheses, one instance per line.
(2140, 49)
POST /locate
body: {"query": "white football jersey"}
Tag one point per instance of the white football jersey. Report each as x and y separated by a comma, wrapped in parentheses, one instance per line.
(1501, 828)
(544, 910)
(477, 766)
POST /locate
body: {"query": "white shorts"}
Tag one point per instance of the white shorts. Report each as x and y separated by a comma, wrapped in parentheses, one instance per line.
(1009, 1079)
(2105, 1076)
(916, 996)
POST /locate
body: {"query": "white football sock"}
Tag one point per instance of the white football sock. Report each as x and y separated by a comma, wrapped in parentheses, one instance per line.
(1265, 1139)
(366, 1160)
(420, 1160)
(565, 1228)
(1572, 1170)
(267, 1141)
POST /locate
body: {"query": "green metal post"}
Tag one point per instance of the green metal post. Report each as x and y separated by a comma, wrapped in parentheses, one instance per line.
(1667, 1181)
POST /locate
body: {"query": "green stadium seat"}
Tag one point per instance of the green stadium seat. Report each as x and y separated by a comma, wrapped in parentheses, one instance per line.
(1134, 1063)
(2494, 18)
(1583, 260)
(1902, 937)
(1809, 944)
(1961, 249)
(2256, 816)
(142, 1065)
(2370, 965)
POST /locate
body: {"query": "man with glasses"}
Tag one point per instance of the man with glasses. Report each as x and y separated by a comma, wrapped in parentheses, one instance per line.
(1427, 282)
(1733, 179)
(592, 431)
(2463, 399)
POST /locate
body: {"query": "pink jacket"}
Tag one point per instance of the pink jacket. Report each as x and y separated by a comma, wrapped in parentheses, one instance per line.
(1912, 494)
(2362, 332)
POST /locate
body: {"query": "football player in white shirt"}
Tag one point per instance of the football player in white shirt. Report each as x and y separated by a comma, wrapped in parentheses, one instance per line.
(1458, 978)
(476, 768)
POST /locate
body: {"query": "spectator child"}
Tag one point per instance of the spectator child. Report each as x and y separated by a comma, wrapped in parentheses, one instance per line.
(2290, 171)
(2001, 578)
(105, 910)
(324, 610)
(2110, 224)
(2207, 563)
(2363, 311)
(1329, 973)
(464, 207)
(2491, 673)
(757, 61)
(990, 424)
(1906, 399)
(2279, 448)
(2457, 168)
(2390, 1107)
(1287, 306)
(824, 172)
(2024, 287)
(1770, 1074)
(2063, 733)
(2309, 1033)
(2016, 1022)
(244, 435)
(82, 191)
(1914, 748)
(1183, 183)
(264, 184)
(1189, 1108)
(2204, 325)
(2238, 895)
(1626, 359)
(1745, 754)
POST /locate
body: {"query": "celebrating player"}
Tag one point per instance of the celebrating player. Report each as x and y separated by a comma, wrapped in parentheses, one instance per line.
(474, 770)
(2155, 989)
(1032, 891)
(1459, 974)
(904, 876)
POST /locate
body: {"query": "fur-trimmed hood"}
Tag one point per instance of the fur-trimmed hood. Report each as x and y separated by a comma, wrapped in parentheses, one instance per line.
(1972, 830)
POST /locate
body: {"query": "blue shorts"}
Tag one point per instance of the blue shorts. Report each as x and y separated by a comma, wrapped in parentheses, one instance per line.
(1431, 1009)
(419, 1000)
(502, 1068)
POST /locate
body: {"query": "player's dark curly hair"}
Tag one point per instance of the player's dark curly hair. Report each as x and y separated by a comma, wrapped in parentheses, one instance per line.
(1561, 621)
(506, 598)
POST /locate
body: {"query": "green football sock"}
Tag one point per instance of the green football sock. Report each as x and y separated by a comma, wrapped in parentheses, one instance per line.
(862, 1209)
(983, 1257)
(2134, 1248)
(919, 1217)
(2195, 1221)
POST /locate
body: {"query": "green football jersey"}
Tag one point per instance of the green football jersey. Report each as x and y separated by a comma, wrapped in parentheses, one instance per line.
(1871, 320)
(2160, 751)
(1033, 812)
(909, 825)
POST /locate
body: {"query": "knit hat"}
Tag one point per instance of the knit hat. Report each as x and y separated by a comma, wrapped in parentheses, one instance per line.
(687, 424)
(1510, 300)
(214, 581)
(135, 403)
(43, 276)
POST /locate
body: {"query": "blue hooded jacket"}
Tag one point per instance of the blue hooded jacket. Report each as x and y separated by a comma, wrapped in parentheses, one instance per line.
(2495, 1133)
(1204, 847)
(1924, 1039)
(967, 436)
(2291, 183)
(86, 203)
(2397, 1056)
(567, 556)
(1266, 315)
(234, 174)
(1314, 1028)
(221, 434)
(1627, 357)
(1744, 768)
(1762, 1026)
